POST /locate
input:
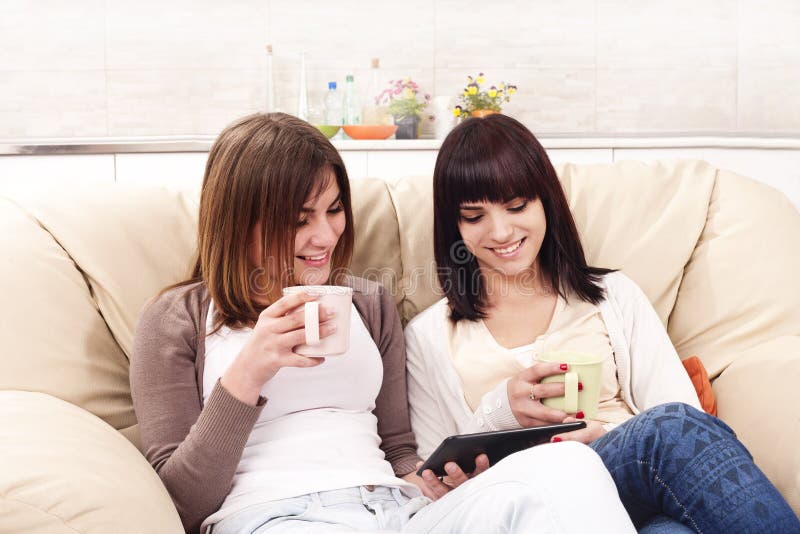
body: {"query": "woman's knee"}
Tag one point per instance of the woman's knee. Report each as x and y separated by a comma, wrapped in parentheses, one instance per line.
(678, 414)
(552, 460)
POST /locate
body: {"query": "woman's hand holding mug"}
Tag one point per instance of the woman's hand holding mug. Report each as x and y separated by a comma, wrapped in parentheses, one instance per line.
(525, 392)
(279, 329)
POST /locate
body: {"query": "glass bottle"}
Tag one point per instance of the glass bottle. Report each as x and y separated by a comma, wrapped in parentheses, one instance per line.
(372, 113)
(270, 100)
(302, 97)
(352, 108)
(333, 106)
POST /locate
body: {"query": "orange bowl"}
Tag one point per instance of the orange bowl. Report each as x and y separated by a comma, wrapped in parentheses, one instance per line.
(369, 131)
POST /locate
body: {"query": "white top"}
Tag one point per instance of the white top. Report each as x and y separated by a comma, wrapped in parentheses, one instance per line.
(317, 431)
(648, 368)
(576, 325)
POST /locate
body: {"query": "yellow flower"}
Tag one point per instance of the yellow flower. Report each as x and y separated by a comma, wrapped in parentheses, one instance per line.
(465, 93)
(512, 89)
(501, 86)
(492, 92)
(472, 89)
(480, 79)
(457, 111)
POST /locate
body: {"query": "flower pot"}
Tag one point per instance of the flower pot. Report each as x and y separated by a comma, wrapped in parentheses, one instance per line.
(481, 113)
(407, 127)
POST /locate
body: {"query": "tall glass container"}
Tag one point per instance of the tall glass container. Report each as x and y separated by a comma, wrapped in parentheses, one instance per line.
(302, 96)
(270, 97)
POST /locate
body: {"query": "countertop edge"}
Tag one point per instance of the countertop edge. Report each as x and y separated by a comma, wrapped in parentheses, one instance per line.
(171, 144)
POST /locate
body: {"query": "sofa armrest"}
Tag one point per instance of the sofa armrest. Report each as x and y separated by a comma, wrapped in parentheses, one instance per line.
(64, 470)
(759, 397)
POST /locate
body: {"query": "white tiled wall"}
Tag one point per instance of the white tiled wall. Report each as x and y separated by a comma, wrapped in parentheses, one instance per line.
(779, 168)
(121, 68)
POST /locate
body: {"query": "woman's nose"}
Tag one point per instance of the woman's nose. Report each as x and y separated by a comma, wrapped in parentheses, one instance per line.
(501, 229)
(324, 235)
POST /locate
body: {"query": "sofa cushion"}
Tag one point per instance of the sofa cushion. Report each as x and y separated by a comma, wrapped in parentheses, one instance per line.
(129, 242)
(53, 336)
(377, 254)
(641, 218)
(758, 397)
(66, 471)
(413, 199)
(741, 286)
(702, 385)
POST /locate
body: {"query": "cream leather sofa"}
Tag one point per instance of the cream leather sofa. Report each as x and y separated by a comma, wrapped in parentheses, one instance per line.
(718, 255)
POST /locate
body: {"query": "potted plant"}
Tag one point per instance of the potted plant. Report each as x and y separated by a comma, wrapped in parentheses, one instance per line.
(404, 106)
(477, 102)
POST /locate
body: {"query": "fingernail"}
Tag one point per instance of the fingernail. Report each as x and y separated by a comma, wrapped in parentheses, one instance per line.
(450, 468)
(427, 475)
(580, 386)
(564, 366)
(579, 415)
(556, 439)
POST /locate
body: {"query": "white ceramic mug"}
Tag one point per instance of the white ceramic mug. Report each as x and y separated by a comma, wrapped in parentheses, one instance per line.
(337, 298)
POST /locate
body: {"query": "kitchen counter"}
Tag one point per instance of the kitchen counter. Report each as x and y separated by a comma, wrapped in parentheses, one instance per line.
(202, 143)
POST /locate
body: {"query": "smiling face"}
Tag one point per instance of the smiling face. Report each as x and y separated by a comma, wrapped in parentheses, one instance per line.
(503, 237)
(322, 222)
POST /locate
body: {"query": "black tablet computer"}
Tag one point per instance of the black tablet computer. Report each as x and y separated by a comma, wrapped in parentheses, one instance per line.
(463, 448)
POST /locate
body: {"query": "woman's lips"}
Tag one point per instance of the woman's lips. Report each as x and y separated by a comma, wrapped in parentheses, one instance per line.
(316, 260)
(508, 251)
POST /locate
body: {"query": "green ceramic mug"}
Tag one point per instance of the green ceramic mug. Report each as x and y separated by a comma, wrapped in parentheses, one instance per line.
(584, 368)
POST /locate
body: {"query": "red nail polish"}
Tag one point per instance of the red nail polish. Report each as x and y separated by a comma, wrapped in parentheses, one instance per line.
(579, 415)
(564, 366)
(556, 439)
(580, 386)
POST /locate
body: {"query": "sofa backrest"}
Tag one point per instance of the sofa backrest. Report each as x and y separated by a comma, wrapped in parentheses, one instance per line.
(716, 253)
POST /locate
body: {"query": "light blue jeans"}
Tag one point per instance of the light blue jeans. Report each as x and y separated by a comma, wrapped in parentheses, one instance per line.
(552, 488)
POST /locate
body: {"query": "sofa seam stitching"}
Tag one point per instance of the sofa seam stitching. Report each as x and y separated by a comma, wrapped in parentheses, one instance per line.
(40, 510)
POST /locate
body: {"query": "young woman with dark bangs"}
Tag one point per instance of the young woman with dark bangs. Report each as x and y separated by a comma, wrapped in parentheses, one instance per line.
(517, 284)
(249, 436)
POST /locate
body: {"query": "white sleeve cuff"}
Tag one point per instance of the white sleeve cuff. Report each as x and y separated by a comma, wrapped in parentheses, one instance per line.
(494, 412)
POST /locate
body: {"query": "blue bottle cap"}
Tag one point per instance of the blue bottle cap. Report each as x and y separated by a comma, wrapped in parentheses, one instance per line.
(331, 85)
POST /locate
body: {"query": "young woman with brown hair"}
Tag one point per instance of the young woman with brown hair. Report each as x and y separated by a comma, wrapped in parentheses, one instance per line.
(517, 284)
(249, 436)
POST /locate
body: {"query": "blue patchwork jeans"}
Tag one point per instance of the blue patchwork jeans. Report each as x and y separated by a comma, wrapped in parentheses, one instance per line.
(683, 463)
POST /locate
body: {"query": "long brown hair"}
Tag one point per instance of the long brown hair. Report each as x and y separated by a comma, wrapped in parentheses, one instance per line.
(497, 159)
(260, 171)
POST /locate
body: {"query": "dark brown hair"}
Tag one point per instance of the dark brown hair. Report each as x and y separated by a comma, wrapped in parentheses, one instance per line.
(261, 170)
(497, 159)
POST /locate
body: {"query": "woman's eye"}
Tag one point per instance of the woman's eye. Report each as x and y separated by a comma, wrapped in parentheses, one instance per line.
(337, 209)
(474, 219)
(521, 207)
(302, 222)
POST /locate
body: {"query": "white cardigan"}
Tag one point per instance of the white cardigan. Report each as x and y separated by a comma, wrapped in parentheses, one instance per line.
(649, 370)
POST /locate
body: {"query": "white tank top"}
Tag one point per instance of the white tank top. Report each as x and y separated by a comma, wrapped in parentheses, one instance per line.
(316, 432)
